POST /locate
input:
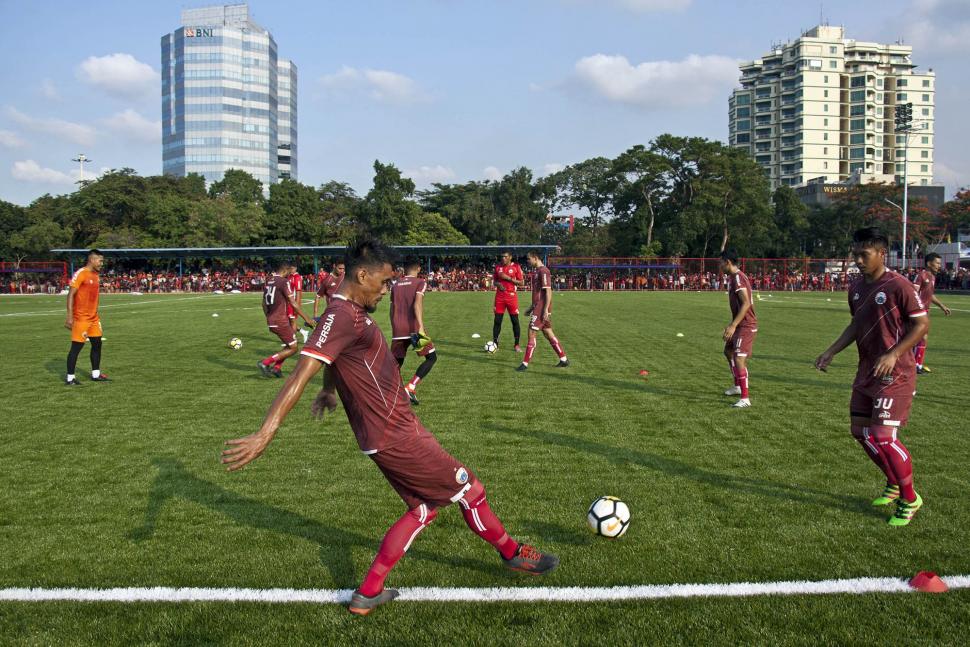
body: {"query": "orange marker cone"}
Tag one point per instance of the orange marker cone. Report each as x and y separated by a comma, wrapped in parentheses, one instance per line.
(644, 373)
(928, 582)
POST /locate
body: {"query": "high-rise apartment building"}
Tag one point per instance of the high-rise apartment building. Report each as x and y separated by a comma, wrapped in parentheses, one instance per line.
(228, 101)
(823, 107)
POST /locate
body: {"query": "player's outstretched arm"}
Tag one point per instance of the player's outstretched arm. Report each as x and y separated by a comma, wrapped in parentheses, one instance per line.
(242, 451)
(847, 337)
(298, 310)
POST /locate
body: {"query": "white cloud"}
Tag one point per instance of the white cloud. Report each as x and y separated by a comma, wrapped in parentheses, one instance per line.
(552, 167)
(492, 173)
(380, 85)
(49, 90)
(10, 139)
(132, 125)
(641, 6)
(953, 179)
(658, 84)
(31, 171)
(936, 26)
(120, 75)
(73, 132)
(429, 174)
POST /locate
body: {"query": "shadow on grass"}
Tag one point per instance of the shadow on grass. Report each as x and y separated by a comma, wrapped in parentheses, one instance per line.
(175, 482)
(670, 467)
(240, 365)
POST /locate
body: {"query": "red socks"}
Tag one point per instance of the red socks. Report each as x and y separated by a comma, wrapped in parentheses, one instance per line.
(273, 359)
(483, 522)
(529, 349)
(556, 346)
(897, 458)
(864, 437)
(413, 384)
(920, 352)
(396, 542)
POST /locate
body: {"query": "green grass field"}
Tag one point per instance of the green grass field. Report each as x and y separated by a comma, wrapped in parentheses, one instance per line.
(119, 484)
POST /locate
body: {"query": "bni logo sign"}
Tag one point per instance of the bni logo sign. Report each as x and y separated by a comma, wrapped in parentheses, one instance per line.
(199, 32)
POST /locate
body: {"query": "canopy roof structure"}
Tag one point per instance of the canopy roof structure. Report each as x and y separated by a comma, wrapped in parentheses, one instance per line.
(332, 251)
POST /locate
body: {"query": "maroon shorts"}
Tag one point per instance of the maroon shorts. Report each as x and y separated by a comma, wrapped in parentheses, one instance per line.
(541, 324)
(284, 331)
(888, 410)
(421, 471)
(399, 348)
(741, 343)
(506, 301)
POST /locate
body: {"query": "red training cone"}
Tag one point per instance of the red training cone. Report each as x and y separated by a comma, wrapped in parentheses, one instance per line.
(928, 582)
(644, 373)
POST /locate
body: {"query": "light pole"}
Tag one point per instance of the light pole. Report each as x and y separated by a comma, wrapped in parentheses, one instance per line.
(904, 124)
(81, 159)
(902, 211)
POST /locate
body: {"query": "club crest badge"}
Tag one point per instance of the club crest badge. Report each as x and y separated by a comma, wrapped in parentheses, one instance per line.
(855, 297)
(461, 475)
(881, 298)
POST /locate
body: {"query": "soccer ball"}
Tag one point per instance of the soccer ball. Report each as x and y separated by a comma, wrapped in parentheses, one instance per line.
(491, 347)
(235, 343)
(608, 517)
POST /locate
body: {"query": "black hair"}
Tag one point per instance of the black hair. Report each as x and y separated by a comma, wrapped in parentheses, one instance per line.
(282, 264)
(870, 237)
(534, 252)
(94, 251)
(730, 254)
(367, 252)
(929, 258)
(411, 263)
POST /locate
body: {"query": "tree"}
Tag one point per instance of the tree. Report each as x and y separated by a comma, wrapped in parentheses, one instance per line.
(953, 217)
(516, 205)
(433, 229)
(791, 224)
(339, 205)
(386, 212)
(585, 185)
(13, 218)
(643, 179)
(292, 214)
(238, 186)
(37, 239)
(469, 209)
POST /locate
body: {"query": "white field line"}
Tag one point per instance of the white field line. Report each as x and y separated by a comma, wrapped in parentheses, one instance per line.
(854, 586)
(61, 311)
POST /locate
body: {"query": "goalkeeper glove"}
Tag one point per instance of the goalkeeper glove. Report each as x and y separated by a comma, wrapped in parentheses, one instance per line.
(419, 340)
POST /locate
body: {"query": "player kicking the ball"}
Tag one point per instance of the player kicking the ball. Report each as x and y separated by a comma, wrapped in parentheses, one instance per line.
(407, 325)
(740, 333)
(888, 318)
(360, 368)
(278, 299)
(541, 312)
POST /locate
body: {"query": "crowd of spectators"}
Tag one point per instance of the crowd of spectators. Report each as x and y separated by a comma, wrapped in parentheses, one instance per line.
(465, 276)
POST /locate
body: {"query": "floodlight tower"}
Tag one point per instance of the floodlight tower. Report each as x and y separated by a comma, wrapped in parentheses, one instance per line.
(81, 159)
(903, 119)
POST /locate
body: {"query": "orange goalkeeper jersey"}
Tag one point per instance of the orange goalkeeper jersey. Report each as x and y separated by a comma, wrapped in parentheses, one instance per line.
(86, 282)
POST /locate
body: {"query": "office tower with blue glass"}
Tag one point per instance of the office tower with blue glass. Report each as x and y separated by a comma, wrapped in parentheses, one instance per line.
(228, 101)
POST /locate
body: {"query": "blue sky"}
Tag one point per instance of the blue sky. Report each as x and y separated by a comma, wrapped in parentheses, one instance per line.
(447, 90)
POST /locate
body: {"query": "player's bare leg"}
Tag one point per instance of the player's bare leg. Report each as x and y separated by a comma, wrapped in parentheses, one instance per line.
(557, 347)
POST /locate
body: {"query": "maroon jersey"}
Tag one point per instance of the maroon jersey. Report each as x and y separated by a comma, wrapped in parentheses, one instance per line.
(881, 311)
(541, 278)
(737, 283)
(367, 376)
(403, 295)
(329, 286)
(513, 270)
(926, 285)
(276, 296)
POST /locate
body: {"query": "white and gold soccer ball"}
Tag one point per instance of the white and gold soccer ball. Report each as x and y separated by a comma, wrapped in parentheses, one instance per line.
(491, 347)
(235, 343)
(608, 517)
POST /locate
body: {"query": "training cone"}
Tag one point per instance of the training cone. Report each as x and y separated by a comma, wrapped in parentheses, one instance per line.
(644, 373)
(928, 582)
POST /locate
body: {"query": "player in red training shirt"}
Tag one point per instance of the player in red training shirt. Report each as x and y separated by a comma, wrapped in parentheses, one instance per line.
(407, 325)
(508, 278)
(926, 284)
(296, 287)
(541, 312)
(277, 299)
(888, 318)
(740, 333)
(360, 367)
(328, 287)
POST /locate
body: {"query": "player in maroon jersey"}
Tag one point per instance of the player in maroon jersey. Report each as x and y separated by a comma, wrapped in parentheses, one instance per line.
(362, 371)
(508, 278)
(328, 287)
(277, 299)
(888, 318)
(407, 325)
(740, 333)
(926, 284)
(541, 312)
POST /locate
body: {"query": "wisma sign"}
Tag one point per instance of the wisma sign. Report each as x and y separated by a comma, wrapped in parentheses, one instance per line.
(197, 32)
